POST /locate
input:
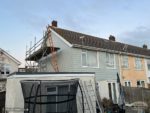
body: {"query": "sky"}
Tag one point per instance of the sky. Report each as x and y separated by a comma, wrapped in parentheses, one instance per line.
(23, 20)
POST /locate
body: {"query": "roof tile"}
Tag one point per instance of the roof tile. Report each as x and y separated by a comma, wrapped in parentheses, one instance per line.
(92, 41)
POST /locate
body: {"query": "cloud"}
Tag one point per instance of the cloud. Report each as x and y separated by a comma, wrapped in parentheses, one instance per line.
(138, 37)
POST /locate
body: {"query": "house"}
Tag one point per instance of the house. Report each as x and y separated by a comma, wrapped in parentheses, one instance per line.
(78, 52)
(8, 65)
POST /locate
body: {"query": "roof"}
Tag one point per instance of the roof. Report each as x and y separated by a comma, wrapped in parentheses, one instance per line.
(10, 56)
(76, 38)
(40, 53)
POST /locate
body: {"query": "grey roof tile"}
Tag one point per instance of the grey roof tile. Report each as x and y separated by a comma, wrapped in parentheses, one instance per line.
(92, 41)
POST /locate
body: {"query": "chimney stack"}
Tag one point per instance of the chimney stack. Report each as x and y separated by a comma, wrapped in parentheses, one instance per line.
(112, 38)
(54, 23)
(145, 46)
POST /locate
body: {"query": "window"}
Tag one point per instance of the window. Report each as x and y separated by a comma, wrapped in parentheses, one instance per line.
(148, 65)
(127, 83)
(138, 63)
(51, 107)
(89, 58)
(125, 63)
(84, 58)
(110, 60)
(5, 69)
(140, 83)
(59, 96)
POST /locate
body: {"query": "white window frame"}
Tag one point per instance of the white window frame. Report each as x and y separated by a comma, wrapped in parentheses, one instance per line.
(6, 66)
(128, 82)
(108, 63)
(124, 59)
(137, 59)
(140, 83)
(85, 52)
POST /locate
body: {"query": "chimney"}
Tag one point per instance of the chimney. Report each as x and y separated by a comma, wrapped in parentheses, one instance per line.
(145, 46)
(112, 38)
(54, 23)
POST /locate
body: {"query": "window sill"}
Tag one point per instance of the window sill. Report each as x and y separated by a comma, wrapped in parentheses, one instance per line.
(125, 68)
(89, 67)
(139, 69)
(110, 67)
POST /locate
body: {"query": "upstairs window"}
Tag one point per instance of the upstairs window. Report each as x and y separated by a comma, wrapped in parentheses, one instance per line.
(138, 63)
(125, 63)
(89, 58)
(110, 60)
(5, 69)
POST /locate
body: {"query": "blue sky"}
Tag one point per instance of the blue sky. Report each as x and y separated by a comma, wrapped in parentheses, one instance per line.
(22, 20)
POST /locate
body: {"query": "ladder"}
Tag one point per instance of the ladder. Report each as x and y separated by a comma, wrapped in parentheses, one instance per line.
(89, 94)
(52, 50)
(88, 98)
(96, 94)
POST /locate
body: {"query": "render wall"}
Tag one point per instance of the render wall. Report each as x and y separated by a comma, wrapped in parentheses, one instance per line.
(132, 74)
(147, 62)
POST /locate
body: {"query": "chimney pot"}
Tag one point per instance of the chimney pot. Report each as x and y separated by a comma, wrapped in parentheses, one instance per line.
(112, 38)
(54, 23)
(145, 46)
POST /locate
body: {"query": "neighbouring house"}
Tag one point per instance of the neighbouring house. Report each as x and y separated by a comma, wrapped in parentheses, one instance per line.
(133, 69)
(147, 65)
(148, 70)
(8, 65)
(78, 52)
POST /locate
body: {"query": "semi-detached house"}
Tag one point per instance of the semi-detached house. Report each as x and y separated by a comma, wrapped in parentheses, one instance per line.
(8, 65)
(78, 52)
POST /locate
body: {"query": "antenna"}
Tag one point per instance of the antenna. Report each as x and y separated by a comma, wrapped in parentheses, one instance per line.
(125, 47)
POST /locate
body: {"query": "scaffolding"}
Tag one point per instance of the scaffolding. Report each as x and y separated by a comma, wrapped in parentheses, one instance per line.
(39, 50)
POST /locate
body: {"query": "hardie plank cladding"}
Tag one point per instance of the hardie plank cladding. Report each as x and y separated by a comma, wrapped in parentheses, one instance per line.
(102, 72)
(69, 60)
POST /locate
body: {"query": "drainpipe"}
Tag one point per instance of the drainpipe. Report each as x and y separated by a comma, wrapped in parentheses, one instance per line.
(121, 72)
